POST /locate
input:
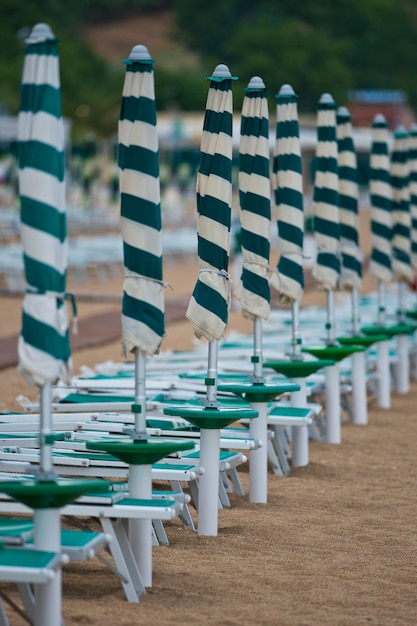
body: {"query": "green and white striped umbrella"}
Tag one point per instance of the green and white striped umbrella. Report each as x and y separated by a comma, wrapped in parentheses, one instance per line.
(43, 347)
(326, 197)
(380, 193)
(209, 303)
(255, 202)
(401, 216)
(288, 197)
(412, 159)
(143, 319)
(351, 254)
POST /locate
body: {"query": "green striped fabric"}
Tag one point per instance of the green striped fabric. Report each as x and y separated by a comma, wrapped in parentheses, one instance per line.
(208, 306)
(143, 318)
(326, 197)
(288, 197)
(255, 202)
(401, 216)
(412, 160)
(351, 254)
(380, 193)
(43, 347)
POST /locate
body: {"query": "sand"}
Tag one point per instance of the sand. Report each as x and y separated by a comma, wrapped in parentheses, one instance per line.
(334, 546)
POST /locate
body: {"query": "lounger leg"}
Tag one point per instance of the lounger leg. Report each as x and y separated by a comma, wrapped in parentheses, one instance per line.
(126, 565)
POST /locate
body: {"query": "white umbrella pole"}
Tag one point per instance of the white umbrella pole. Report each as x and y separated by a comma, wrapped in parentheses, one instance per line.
(213, 352)
(403, 365)
(296, 335)
(384, 375)
(333, 422)
(257, 350)
(359, 398)
(46, 462)
(381, 303)
(140, 530)
(140, 390)
(355, 312)
(299, 434)
(48, 597)
(258, 462)
(330, 317)
(208, 492)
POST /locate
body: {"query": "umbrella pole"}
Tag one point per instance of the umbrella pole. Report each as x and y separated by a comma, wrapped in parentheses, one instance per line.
(299, 434)
(139, 408)
(330, 318)
(383, 365)
(355, 312)
(208, 492)
(257, 358)
(296, 335)
(46, 470)
(47, 537)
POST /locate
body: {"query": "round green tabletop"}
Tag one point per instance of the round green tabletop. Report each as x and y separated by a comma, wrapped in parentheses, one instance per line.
(51, 494)
(362, 340)
(211, 418)
(141, 451)
(258, 392)
(412, 314)
(298, 369)
(333, 352)
(391, 331)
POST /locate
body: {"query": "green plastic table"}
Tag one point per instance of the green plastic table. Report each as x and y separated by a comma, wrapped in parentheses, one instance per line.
(391, 331)
(142, 451)
(333, 352)
(362, 340)
(298, 368)
(50, 494)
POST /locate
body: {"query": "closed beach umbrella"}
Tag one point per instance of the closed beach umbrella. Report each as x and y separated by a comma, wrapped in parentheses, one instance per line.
(401, 217)
(208, 306)
(351, 254)
(143, 321)
(288, 198)
(255, 212)
(43, 347)
(412, 160)
(326, 205)
(380, 193)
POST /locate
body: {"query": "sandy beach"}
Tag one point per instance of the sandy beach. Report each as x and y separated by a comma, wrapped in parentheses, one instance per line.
(334, 546)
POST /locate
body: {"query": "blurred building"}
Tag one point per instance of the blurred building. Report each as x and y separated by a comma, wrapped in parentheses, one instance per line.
(364, 104)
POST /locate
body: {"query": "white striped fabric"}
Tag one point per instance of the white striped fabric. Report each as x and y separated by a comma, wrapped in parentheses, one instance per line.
(209, 303)
(351, 253)
(43, 347)
(288, 197)
(380, 193)
(143, 308)
(401, 217)
(413, 192)
(326, 197)
(255, 202)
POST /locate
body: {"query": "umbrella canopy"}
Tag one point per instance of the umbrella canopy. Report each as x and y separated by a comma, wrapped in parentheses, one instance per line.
(44, 347)
(401, 216)
(326, 197)
(412, 160)
(380, 193)
(208, 306)
(143, 320)
(288, 197)
(351, 254)
(255, 202)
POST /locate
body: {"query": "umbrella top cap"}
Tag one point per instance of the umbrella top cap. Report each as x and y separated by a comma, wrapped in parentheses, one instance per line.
(400, 131)
(343, 112)
(379, 119)
(286, 90)
(256, 82)
(40, 32)
(221, 72)
(413, 129)
(326, 98)
(139, 53)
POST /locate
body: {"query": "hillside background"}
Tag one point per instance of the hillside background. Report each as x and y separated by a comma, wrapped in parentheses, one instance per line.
(326, 45)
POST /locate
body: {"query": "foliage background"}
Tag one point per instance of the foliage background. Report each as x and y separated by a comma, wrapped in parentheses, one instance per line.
(325, 45)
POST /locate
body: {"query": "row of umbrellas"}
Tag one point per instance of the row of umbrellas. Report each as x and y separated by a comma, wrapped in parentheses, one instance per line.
(44, 347)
